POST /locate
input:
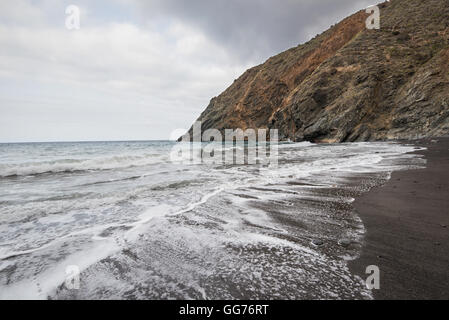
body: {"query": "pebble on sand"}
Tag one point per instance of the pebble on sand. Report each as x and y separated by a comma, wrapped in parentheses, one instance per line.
(344, 242)
(317, 242)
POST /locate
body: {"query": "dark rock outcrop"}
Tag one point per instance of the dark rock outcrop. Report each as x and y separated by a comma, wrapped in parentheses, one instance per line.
(350, 83)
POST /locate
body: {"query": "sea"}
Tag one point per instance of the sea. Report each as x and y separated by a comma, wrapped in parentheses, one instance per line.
(122, 220)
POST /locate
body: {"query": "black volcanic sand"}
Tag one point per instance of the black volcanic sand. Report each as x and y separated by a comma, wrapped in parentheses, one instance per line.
(407, 223)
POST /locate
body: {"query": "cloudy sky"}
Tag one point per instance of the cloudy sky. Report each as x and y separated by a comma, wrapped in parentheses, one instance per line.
(137, 69)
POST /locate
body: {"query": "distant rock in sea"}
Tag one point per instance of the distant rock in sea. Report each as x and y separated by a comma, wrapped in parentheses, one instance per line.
(350, 83)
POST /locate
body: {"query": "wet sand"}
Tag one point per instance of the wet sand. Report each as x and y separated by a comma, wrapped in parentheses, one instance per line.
(407, 223)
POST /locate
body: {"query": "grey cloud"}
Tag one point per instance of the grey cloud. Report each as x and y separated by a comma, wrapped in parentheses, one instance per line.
(255, 29)
(137, 69)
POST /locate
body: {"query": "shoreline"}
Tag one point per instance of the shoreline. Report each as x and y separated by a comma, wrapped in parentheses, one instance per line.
(407, 229)
(300, 230)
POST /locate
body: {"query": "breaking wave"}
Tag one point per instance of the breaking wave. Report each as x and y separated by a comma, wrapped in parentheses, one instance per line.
(78, 165)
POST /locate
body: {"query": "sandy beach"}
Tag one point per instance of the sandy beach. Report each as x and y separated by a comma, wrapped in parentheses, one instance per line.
(407, 223)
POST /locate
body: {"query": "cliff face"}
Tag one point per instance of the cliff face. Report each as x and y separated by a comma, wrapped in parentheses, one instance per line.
(350, 83)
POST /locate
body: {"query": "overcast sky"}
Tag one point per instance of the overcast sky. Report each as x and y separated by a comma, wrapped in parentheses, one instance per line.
(137, 69)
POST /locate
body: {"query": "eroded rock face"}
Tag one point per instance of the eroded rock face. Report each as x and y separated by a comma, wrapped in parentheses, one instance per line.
(350, 83)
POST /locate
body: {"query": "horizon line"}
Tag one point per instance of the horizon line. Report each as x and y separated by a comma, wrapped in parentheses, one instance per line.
(85, 141)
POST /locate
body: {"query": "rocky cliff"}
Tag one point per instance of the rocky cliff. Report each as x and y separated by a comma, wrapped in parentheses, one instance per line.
(350, 83)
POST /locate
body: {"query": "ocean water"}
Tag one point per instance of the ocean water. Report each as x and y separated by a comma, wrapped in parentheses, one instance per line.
(139, 226)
